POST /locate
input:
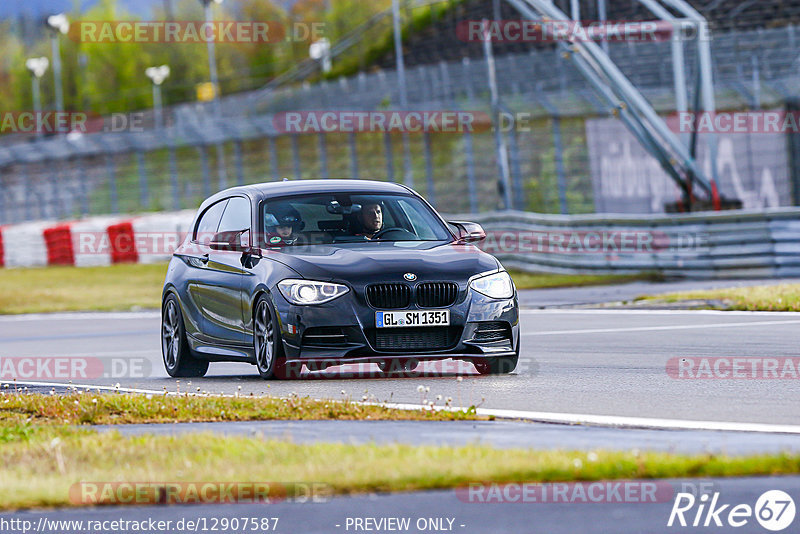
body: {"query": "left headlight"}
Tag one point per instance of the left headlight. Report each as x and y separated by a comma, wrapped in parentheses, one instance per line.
(306, 292)
(496, 286)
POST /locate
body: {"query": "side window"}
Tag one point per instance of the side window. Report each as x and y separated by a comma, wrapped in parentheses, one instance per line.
(209, 222)
(237, 216)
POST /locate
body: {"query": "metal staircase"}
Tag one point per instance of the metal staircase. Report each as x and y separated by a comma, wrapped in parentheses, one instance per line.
(625, 101)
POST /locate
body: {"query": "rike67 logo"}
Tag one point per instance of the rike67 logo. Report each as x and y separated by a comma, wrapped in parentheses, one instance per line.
(774, 510)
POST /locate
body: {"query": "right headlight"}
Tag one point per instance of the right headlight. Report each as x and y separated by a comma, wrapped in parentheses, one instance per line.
(496, 286)
(309, 292)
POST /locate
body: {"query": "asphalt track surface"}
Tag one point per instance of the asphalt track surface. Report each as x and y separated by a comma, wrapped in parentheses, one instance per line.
(595, 362)
(598, 362)
(451, 511)
(498, 434)
(582, 296)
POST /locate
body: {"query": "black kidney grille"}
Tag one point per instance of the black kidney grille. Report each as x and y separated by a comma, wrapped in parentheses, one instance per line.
(436, 294)
(389, 296)
(421, 339)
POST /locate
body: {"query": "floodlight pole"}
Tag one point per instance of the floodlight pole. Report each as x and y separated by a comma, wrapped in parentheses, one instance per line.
(408, 176)
(504, 180)
(212, 57)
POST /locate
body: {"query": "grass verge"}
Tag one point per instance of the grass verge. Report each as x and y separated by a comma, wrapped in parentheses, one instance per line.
(42, 470)
(133, 286)
(779, 298)
(48, 459)
(55, 289)
(547, 280)
(113, 408)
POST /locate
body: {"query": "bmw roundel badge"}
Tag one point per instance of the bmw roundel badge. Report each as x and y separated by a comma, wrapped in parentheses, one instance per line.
(410, 277)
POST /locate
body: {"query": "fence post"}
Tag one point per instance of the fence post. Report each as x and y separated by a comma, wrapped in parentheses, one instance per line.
(447, 92)
(206, 172)
(3, 189)
(237, 156)
(559, 161)
(221, 171)
(111, 171)
(756, 82)
(467, 78)
(55, 205)
(323, 155)
(173, 177)
(426, 141)
(80, 171)
(44, 212)
(144, 194)
(295, 157)
(518, 200)
(27, 191)
(387, 148)
(351, 140)
(471, 185)
(273, 158)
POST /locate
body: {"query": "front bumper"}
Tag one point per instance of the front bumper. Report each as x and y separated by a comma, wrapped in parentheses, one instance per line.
(343, 331)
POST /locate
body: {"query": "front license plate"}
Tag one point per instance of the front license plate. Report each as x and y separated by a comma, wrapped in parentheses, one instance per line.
(385, 319)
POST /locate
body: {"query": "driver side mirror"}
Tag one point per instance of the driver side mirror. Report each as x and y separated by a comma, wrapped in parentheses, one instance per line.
(231, 241)
(468, 232)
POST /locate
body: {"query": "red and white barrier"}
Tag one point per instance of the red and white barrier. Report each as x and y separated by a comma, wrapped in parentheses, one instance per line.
(158, 235)
(24, 244)
(95, 241)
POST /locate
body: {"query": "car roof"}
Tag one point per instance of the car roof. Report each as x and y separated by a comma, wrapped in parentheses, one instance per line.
(289, 187)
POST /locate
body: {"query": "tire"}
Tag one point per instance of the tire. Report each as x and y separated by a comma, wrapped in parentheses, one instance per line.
(501, 365)
(270, 357)
(178, 359)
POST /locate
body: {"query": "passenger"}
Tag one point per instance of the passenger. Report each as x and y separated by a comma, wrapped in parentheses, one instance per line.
(286, 227)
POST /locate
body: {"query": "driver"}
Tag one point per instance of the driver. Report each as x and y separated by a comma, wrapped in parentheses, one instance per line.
(286, 231)
(371, 218)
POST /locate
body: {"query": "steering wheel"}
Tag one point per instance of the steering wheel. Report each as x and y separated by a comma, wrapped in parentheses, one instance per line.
(402, 231)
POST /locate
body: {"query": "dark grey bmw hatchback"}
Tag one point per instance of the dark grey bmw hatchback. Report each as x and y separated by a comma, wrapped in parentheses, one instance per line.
(327, 272)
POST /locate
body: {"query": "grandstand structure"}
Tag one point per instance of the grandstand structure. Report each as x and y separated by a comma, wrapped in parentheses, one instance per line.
(754, 64)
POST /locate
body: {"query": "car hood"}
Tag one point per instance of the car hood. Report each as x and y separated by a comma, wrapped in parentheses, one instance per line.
(363, 263)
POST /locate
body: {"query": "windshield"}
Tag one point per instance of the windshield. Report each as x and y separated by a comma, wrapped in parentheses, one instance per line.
(348, 218)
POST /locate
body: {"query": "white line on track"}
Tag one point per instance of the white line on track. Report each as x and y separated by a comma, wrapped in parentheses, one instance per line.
(608, 421)
(155, 314)
(80, 316)
(657, 328)
(583, 311)
(92, 387)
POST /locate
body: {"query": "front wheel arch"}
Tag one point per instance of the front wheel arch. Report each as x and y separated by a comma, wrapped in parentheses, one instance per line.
(175, 345)
(278, 368)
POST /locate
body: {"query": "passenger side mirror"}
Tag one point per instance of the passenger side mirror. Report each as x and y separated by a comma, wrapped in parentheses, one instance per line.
(231, 241)
(468, 232)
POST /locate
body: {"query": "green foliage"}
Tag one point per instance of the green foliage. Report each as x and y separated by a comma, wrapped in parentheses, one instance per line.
(106, 77)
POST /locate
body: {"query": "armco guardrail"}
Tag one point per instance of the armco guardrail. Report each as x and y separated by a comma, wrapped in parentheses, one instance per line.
(708, 245)
(731, 244)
